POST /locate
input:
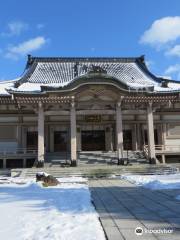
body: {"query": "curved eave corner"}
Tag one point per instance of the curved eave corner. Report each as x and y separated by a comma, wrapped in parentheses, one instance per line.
(142, 65)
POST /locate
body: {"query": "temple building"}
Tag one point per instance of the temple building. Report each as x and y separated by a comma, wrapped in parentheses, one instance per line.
(73, 105)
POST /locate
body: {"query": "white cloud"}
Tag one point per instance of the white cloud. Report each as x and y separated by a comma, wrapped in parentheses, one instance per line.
(149, 63)
(14, 52)
(175, 51)
(40, 26)
(173, 69)
(162, 31)
(15, 28)
(93, 49)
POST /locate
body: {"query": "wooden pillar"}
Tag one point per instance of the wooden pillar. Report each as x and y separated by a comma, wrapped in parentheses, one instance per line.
(78, 138)
(150, 133)
(73, 135)
(4, 163)
(19, 132)
(108, 138)
(24, 137)
(24, 162)
(111, 139)
(119, 131)
(138, 135)
(134, 138)
(164, 133)
(163, 159)
(40, 135)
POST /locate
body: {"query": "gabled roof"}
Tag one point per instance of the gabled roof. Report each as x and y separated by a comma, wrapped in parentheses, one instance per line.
(60, 73)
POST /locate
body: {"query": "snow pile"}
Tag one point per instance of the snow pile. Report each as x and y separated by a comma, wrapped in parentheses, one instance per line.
(30, 211)
(155, 182)
(6, 84)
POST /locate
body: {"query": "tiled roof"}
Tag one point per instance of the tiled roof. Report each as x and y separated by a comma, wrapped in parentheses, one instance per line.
(63, 71)
(60, 72)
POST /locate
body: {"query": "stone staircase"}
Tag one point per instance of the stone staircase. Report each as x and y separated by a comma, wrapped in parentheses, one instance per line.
(99, 157)
(57, 158)
(98, 171)
(94, 157)
(96, 165)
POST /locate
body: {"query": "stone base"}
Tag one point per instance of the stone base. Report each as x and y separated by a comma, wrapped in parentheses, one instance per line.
(40, 164)
(73, 163)
(152, 160)
(123, 161)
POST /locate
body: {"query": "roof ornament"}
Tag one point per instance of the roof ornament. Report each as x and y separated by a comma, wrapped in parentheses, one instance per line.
(96, 69)
(29, 61)
(164, 84)
(142, 58)
(76, 69)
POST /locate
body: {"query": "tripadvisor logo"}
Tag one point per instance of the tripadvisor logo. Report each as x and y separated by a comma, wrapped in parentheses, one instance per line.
(139, 231)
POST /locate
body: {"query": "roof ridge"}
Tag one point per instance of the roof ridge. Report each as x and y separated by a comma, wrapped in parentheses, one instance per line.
(32, 59)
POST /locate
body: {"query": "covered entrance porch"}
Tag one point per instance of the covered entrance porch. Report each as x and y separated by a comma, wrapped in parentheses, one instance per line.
(93, 140)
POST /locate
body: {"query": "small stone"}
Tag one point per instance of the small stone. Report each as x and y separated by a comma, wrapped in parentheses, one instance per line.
(48, 180)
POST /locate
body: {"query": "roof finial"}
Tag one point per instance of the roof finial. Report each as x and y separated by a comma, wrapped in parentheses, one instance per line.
(142, 58)
(29, 59)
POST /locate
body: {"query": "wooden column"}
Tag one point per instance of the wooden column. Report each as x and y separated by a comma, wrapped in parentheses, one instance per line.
(73, 135)
(164, 133)
(78, 138)
(134, 138)
(111, 139)
(150, 133)
(119, 131)
(138, 132)
(4, 163)
(40, 135)
(19, 132)
(108, 138)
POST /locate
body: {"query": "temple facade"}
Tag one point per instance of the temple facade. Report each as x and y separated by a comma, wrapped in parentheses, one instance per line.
(73, 105)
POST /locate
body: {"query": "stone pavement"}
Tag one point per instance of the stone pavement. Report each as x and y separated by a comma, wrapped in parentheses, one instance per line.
(123, 207)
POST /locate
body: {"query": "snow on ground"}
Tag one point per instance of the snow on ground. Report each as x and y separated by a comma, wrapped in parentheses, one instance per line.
(155, 182)
(30, 212)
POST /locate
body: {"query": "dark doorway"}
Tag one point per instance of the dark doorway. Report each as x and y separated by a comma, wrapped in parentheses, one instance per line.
(14, 163)
(32, 140)
(93, 140)
(60, 141)
(127, 139)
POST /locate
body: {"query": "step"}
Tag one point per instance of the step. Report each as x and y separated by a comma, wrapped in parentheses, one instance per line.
(100, 172)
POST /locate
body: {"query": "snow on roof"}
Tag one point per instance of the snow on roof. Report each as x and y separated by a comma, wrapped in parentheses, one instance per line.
(63, 72)
(59, 72)
(172, 86)
(33, 87)
(6, 84)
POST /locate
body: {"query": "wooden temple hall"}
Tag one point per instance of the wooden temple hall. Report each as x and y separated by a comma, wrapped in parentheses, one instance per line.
(63, 107)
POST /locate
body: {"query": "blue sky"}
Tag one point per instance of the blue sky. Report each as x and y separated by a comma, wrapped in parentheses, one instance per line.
(90, 28)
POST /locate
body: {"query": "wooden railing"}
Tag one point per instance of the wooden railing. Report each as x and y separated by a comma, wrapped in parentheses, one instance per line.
(162, 149)
(17, 151)
(145, 150)
(167, 148)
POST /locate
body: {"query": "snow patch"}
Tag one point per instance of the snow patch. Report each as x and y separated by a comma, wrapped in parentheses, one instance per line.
(29, 211)
(155, 182)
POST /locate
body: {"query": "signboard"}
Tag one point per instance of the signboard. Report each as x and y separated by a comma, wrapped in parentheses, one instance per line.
(93, 118)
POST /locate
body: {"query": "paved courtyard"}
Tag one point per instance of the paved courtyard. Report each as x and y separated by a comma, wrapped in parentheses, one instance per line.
(123, 207)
